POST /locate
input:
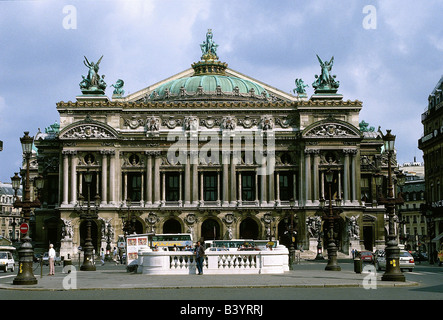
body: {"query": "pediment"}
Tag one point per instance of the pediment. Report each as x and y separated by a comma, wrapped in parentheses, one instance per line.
(331, 129)
(88, 129)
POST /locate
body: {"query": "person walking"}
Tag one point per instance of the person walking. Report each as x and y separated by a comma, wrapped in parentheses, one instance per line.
(115, 256)
(102, 256)
(199, 256)
(51, 255)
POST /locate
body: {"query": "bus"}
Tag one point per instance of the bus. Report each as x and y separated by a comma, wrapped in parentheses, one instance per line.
(169, 240)
(243, 244)
(150, 241)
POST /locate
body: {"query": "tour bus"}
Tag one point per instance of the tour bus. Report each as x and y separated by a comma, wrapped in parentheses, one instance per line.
(242, 244)
(152, 241)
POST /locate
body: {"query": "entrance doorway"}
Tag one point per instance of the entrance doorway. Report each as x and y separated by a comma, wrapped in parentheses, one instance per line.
(172, 226)
(249, 229)
(210, 230)
(368, 238)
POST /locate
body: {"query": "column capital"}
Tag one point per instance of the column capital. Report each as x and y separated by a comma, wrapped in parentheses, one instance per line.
(106, 152)
(67, 152)
(350, 151)
(312, 151)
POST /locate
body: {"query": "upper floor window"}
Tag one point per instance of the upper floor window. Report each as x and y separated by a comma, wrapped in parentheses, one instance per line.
(172, 186)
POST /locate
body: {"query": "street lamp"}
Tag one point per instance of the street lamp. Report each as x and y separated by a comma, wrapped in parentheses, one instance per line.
(88, 215)
(130, 220)
(25, 274)
(330, 217)
(319, 255)
(393, 271)
(426, 211)
(291, 231)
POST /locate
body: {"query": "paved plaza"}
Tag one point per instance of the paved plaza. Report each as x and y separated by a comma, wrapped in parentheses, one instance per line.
(307, 274)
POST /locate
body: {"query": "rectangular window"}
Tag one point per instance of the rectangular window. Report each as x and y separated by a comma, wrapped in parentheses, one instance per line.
(366, 194)
(172, 186)
(286, 184)
(210, 187)
(134, 186)
(248, 186)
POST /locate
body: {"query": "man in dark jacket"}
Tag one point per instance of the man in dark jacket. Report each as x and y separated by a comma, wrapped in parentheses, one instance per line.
(199, 256)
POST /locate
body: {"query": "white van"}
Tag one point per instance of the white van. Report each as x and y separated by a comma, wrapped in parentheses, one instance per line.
(6, 259)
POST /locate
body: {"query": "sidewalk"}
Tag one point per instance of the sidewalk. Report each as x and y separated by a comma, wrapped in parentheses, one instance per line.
(307, 274)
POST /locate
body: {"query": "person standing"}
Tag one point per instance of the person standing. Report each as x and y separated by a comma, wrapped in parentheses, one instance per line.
(102, 256)
(199, 256)
(51, 256)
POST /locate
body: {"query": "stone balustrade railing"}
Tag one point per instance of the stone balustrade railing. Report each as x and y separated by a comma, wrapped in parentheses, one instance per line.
(215, 262)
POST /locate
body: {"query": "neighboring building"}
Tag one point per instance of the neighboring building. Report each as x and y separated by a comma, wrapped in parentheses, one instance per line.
(9, 216)
(413, 226)
(432, 146)
(186, 155)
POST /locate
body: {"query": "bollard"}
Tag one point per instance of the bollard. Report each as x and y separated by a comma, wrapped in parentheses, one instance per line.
(357, 265)
(67, 262)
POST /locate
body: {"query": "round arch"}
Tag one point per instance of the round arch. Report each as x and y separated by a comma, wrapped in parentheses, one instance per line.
(210, 229)
(172, 226)
(249, 229)
(139, 227)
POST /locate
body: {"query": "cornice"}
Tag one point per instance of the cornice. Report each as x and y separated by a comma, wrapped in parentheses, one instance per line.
(152, 105)
(183, 105)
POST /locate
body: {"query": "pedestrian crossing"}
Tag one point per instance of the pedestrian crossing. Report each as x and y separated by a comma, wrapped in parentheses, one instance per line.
(422, 273)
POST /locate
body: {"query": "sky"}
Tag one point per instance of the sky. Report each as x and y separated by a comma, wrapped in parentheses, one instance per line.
(387, 54)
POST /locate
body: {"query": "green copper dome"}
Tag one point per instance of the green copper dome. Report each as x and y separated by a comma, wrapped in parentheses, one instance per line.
(210, 85)
(209, 81)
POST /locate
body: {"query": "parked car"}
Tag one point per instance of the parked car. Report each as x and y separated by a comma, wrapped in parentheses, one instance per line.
(420, 256)
(37, 257)
(366, 256)
(57, 260)
(406, 261)
(6, 261)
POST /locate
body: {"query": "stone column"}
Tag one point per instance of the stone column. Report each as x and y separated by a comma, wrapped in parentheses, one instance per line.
(233, 180)
(104, 177)
(157, 162)
(315, 178)
(307, 171)
(149, 178)
(354, 180)
(112, 180)
(239, 189)
(187, 181)
(202, 187)
(125, 187)
(73, 177)
(65, 177)
(225, 166)
(346, 176)
(194, 162)
(163, 174)
(263, 190)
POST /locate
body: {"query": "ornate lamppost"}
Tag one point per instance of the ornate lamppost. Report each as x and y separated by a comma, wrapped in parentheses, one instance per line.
(426, 211)
(129, 221)
(393, 271)
(291, 236)
(319, 255)
(330, 216)
(25, 274)
(87, 214)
